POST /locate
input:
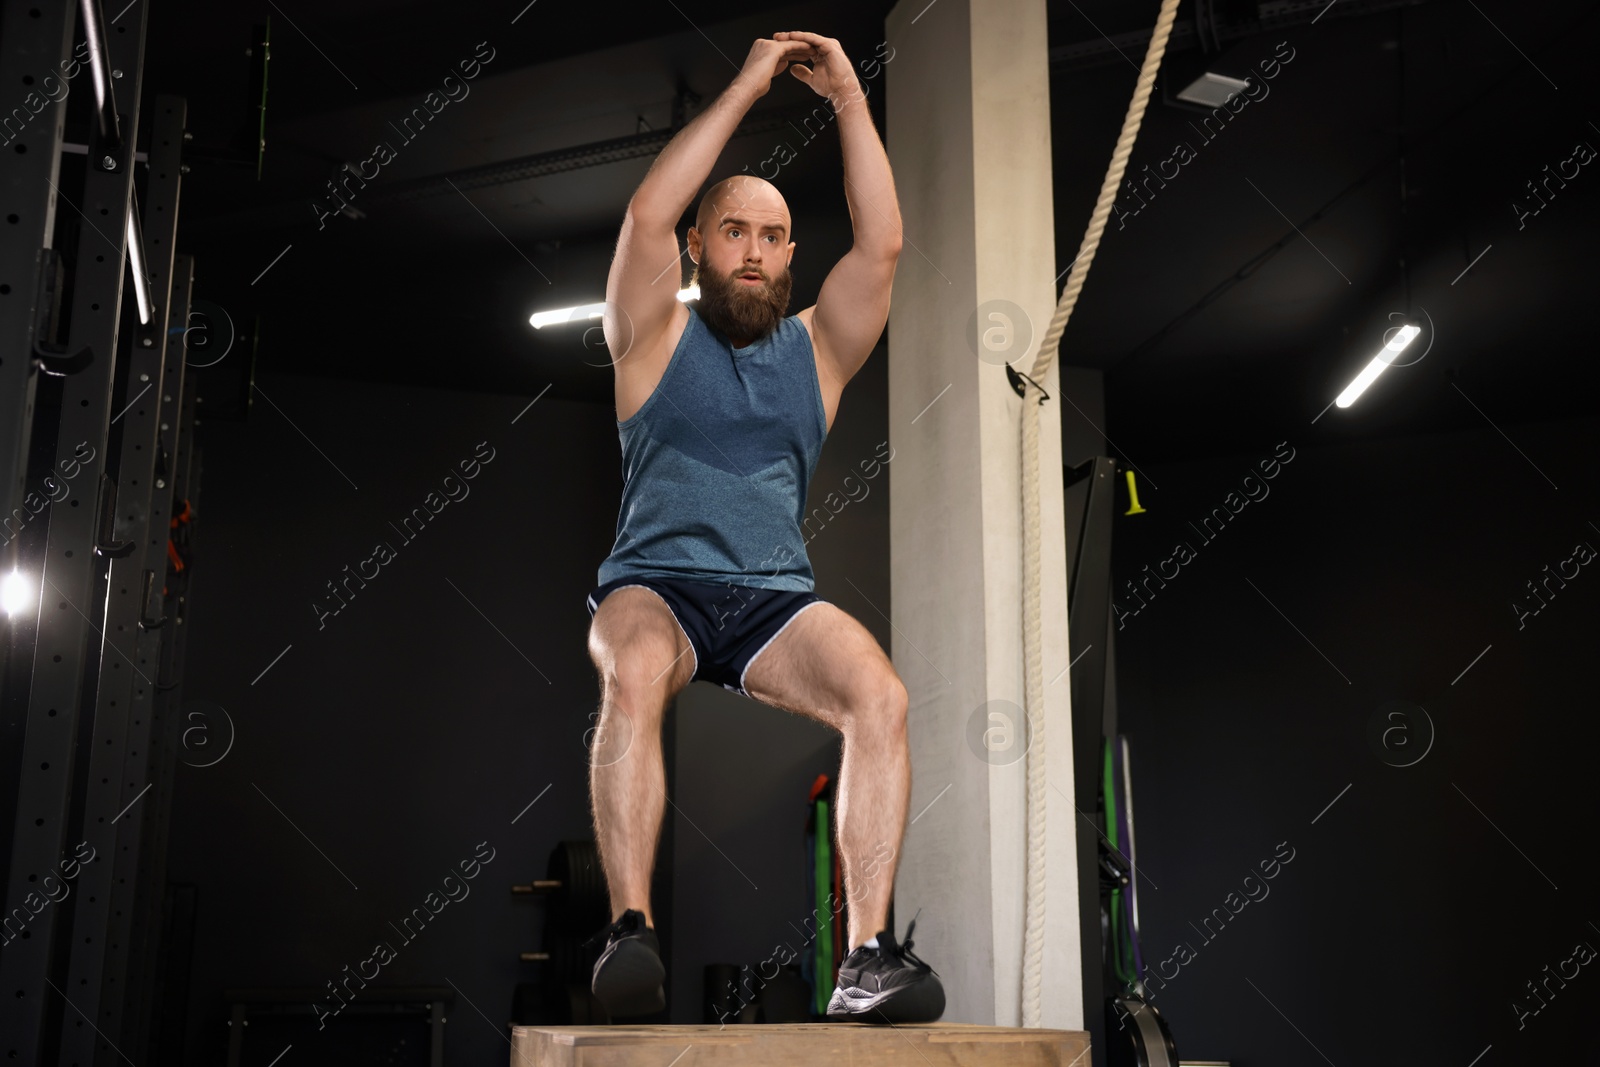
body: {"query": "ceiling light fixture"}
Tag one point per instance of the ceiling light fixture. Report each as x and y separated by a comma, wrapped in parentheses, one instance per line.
(15, 593)
(1379, 364)
(1407, 332)
(1212, 89)
(540, 319)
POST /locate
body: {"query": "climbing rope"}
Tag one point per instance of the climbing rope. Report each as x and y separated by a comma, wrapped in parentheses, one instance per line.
(1032, 665)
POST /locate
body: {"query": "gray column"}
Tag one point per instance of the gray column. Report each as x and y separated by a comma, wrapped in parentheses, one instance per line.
(968, 135)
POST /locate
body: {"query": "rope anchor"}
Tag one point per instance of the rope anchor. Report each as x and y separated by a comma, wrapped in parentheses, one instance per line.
(1014, 376)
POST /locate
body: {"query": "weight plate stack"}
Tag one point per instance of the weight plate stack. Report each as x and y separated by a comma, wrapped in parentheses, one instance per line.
(576, 910)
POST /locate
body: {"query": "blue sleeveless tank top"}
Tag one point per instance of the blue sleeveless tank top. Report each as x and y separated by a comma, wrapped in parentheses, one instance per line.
(717, 462)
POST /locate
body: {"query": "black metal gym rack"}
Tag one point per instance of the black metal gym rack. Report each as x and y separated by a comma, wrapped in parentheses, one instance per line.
(1125, 1030)
(90, 689)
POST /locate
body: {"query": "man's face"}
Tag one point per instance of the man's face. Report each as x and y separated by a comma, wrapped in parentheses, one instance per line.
(743, 269)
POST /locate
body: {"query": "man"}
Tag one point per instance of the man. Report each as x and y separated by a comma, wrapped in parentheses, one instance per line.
(722, 409)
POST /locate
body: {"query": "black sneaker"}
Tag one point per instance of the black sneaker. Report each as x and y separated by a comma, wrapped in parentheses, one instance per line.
(886, 984)
(628, 976)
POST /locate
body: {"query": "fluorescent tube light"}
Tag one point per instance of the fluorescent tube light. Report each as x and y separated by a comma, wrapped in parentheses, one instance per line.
(540, 319)
(1380, 362)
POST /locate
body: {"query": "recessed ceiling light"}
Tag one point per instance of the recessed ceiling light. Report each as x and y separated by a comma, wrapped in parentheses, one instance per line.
(15, 593)
(1212, 90)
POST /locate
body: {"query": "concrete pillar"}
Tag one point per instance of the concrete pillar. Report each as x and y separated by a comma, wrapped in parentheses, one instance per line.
(968, 135)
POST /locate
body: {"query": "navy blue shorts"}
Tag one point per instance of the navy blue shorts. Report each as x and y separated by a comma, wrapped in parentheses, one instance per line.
(727, 626)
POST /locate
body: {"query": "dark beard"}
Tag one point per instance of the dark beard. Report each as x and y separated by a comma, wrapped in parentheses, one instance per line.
(738, 311)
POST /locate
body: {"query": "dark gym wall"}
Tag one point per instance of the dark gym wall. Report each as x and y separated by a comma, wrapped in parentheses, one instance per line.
(1414, 893)
(421, 720)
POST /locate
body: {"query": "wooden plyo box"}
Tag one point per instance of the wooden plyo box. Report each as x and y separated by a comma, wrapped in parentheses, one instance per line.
(798, 1045)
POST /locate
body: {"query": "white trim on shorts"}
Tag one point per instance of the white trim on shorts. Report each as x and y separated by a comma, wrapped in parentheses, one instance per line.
(768, 641)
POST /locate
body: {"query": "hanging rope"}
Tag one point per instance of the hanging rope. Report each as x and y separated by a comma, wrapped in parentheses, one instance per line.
(1032, 665)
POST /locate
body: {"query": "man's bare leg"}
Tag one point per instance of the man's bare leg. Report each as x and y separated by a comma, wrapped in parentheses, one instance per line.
(827, 666)
(644, 661)
(873, 798)
(627, 791)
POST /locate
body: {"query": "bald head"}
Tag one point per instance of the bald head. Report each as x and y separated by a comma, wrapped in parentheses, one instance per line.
(742, 191)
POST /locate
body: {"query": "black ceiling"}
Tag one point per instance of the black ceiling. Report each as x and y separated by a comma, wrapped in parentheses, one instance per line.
(1232, 307)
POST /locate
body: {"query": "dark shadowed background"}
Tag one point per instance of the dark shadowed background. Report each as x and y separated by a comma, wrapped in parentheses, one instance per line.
(1387, 171)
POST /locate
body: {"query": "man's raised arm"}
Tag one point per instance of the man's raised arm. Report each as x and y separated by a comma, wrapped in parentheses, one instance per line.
(642, 284)
(853, 303)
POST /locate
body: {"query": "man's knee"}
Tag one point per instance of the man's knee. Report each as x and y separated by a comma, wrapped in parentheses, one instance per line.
(641, 683)
(896, 701)
(643, 670)
(882, 699)
(638, 658)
